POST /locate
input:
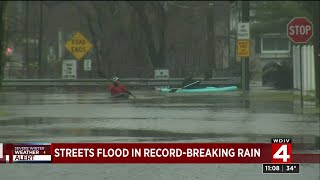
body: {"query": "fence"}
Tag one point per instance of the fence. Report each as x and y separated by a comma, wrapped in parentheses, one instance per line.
(308, 71)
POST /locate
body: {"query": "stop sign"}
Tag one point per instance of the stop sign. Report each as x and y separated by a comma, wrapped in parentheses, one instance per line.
(299, 30)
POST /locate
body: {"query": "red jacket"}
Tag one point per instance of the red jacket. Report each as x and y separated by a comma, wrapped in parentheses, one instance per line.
(114, 90)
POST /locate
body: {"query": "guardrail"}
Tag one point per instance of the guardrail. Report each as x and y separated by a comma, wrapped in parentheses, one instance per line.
(132, 81)
(127, 81)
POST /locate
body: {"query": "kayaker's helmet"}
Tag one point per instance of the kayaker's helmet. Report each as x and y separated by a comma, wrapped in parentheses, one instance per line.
(115, 79)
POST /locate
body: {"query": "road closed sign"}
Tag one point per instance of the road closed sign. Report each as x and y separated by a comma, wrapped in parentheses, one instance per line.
(69, 69)
(243, 48)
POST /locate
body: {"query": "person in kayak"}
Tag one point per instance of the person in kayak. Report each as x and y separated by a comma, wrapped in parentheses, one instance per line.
(189, 80)
(117, 89)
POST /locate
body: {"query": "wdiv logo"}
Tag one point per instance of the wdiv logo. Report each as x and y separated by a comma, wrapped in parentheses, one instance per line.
(281, 150)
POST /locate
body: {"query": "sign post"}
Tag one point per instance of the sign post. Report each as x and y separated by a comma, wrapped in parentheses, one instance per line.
(243, 49)
(79, 46)
(300, 31)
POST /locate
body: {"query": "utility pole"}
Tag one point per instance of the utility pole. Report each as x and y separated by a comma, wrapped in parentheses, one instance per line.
(316, 49)
(245, 17)
(40, 67)
(27, 39)
(210, 38)
(60, 44)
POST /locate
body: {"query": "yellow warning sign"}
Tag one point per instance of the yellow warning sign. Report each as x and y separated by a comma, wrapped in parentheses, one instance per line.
(243, 48)
(78, 45)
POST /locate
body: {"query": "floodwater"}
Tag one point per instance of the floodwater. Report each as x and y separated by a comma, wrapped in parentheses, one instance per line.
(59, 116)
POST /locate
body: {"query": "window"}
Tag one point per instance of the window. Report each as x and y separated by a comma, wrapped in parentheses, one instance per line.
(275, 45)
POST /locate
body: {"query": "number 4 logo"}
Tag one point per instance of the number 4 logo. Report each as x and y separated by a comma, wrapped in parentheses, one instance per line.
(281, 153)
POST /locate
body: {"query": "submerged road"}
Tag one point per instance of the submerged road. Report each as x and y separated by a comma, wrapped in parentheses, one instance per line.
(151, 117)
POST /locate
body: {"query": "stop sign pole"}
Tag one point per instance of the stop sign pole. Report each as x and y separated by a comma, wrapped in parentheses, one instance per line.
(300, 31)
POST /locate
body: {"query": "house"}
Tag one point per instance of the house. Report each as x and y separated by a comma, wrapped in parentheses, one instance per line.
(266, 47)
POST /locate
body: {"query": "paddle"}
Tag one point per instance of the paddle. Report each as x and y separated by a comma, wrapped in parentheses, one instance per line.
(129, 93)
(104, 76)
(174, 90)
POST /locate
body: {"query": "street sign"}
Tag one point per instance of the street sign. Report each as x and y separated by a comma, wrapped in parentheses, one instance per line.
(299, 30)
(87, 65)
(243, 31)
(78, 45)
(161, 74)
(69, 69)
(243, 48)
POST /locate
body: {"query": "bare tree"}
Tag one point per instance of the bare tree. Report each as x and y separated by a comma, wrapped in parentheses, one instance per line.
(210, 39)
(103, 25)
(156, 55)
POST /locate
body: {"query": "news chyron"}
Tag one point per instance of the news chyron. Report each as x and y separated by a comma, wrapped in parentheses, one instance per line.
(25, 153)
(281, 149)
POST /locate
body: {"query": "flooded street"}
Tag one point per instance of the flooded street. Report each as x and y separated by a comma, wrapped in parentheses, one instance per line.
(151, 117)
(229, 72)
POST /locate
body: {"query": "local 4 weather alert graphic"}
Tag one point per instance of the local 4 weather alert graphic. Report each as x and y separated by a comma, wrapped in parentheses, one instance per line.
(275, 157)
(25, 153)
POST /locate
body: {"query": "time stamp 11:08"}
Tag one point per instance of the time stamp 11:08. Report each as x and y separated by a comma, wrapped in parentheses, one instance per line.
(281, 168)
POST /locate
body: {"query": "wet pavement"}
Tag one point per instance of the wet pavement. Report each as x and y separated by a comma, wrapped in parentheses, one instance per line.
(151, 117)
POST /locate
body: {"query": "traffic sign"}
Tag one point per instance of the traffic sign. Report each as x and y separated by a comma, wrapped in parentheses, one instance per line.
(243, 48)
(78, 45)
(69, 69)
(161, 73)
(243, 31)
(87, 65)
(299, 30)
